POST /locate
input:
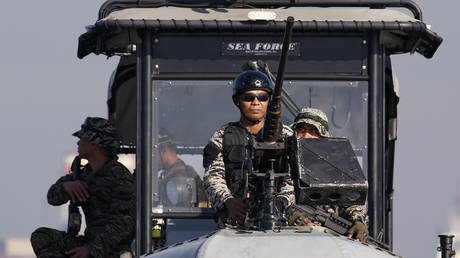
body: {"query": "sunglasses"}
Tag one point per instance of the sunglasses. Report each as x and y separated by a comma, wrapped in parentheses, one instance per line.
(249, 97)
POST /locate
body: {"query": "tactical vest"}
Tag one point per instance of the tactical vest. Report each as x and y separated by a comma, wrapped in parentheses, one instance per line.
(236, 158)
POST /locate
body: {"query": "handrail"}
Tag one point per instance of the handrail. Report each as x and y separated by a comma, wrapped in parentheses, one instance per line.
(112, 5)
(186, 213)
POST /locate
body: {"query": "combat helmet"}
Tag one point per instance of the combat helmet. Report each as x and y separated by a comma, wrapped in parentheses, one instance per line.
(251, 80)
(99, 131)
(315, 117)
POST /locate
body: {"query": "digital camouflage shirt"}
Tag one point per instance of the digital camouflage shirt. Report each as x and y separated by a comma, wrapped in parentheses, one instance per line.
(110, 210)
(214, 182)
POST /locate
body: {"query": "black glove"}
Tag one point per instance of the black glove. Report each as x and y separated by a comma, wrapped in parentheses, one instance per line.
(358, 231)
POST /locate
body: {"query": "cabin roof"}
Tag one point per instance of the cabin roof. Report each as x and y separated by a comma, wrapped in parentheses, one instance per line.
(300, 14)
(115, 32)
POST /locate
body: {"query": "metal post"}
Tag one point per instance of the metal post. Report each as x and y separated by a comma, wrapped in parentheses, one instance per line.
(389, 200)
(389, 222)
(376, 136)
(144, 146)
(390, 108)
(382, 135)
(446, 242)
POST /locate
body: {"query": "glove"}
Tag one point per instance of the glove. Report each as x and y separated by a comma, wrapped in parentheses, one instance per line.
(236, 208)
(358, 231)
(298, 219)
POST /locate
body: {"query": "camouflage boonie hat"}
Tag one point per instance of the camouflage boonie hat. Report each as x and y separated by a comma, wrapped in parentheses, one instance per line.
(98, 131)
(315, 117)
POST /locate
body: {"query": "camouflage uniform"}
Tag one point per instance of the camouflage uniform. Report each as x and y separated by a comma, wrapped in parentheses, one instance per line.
(318, 119)
(180, 169)
(214, 181)
(110, 210)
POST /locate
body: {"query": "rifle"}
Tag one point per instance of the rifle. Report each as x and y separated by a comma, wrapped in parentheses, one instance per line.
(74, 220)
(329, 220)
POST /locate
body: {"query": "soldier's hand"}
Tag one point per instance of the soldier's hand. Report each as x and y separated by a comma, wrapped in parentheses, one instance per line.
(237, 209)
(358, 231)
(77, 190)
(78, 252)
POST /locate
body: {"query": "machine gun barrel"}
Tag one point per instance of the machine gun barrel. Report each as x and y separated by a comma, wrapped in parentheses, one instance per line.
(274, 109)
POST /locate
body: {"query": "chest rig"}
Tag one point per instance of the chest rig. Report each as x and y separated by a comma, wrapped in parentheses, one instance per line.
(237, 159)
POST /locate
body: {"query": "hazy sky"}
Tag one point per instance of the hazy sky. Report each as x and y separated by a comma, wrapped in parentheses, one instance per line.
(46, 91)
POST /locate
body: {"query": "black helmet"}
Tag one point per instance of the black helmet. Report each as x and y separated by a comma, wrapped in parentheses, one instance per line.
(251, 80)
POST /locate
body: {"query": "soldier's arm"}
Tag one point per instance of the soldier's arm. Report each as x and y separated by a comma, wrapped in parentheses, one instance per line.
(121, 215)
(56, 194)
(214, 183)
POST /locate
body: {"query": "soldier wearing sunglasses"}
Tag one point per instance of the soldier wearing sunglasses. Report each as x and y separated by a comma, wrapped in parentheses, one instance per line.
(226, 157)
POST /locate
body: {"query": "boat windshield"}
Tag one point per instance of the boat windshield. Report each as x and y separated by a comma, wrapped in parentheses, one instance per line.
(187, 113)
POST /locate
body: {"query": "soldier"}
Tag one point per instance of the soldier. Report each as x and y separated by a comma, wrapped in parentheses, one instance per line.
(225, 157)
(106, 191)
(175, 172)
(313, 123)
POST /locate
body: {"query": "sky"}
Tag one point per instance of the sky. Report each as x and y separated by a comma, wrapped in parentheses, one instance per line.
(46, 91)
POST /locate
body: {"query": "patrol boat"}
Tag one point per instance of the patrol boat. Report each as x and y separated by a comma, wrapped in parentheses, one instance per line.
(177, 63)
